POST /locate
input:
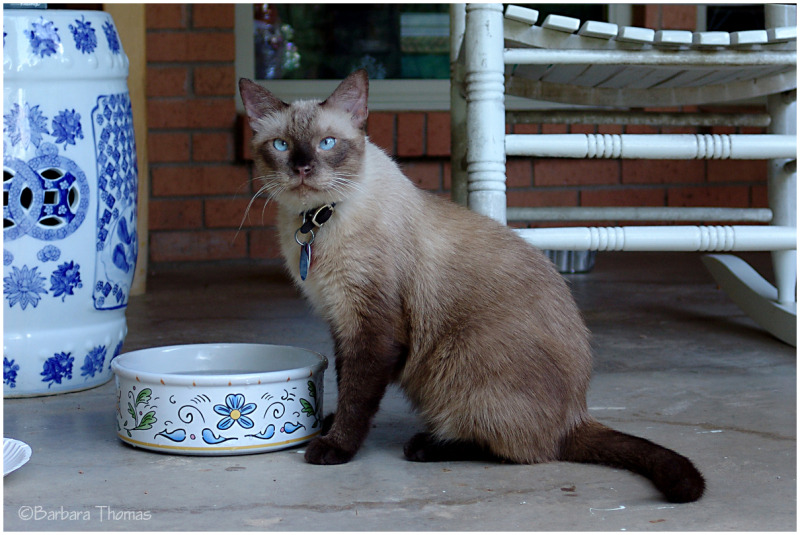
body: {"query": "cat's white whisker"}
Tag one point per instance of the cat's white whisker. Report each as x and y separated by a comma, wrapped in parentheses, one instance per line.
(265, 188)
(278, 191)
(345, 186)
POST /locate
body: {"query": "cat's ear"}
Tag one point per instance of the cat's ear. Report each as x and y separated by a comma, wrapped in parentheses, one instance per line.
(351, 97)
(258, 102)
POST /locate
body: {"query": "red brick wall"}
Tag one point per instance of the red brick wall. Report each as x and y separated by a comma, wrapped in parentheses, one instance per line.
(200, 173)
(197, 188)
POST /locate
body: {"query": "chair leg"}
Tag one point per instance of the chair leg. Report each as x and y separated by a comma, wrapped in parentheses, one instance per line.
(773, 307)
(486, 159)
(783, 173)
(754, 295)
(782, 188)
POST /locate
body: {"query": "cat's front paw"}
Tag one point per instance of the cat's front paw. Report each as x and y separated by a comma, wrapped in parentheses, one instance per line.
(322, 451)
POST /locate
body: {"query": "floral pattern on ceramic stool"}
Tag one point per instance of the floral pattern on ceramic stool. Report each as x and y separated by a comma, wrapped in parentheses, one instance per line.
(69, 211)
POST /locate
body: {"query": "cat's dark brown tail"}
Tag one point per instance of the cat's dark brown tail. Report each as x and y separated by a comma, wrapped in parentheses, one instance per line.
(673, 474)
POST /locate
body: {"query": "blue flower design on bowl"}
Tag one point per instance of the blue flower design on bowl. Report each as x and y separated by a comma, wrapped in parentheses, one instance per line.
(235, 411)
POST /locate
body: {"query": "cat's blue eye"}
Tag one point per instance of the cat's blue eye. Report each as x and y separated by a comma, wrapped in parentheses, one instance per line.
(280, 145)
(327, 143)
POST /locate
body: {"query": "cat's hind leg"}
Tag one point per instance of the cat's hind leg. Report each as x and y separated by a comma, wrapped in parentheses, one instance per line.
(424, 447)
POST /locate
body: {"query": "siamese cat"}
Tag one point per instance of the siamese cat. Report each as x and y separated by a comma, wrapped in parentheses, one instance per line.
(476, 326)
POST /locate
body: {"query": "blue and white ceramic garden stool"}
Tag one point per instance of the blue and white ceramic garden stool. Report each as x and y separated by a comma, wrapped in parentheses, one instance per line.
(69, 200)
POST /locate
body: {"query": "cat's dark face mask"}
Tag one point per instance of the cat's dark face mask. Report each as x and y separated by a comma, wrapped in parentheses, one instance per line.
(308, 153)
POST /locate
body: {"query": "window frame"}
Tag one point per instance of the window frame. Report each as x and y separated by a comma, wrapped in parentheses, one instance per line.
(385, 95)
(702, 13)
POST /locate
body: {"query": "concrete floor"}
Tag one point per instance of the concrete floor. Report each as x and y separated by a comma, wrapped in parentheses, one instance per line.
(676, 362)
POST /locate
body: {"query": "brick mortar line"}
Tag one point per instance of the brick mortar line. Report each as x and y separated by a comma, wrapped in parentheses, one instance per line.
(189, 98)
(200, 163)
(166, 265)
(202, 198)
(184, 63)
(635, 186)
(188, 29)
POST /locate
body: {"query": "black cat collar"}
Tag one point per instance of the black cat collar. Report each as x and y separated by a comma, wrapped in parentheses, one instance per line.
(316, 217)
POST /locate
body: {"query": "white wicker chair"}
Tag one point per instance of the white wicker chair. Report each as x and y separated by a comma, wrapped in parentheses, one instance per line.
(611, 69)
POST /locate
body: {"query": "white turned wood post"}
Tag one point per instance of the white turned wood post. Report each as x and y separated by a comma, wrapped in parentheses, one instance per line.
(458, 108)
(668, 146)
(665, 238)
(782, 176)
(486, 160)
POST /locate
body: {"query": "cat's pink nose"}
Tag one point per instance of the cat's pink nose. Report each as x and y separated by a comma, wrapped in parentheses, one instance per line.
(303, 170)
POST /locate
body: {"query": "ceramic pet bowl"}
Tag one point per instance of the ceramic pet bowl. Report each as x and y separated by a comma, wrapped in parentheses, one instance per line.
(219, 399)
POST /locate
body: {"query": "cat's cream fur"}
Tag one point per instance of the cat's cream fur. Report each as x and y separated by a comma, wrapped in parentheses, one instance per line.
(475, 325)
(392, 236)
